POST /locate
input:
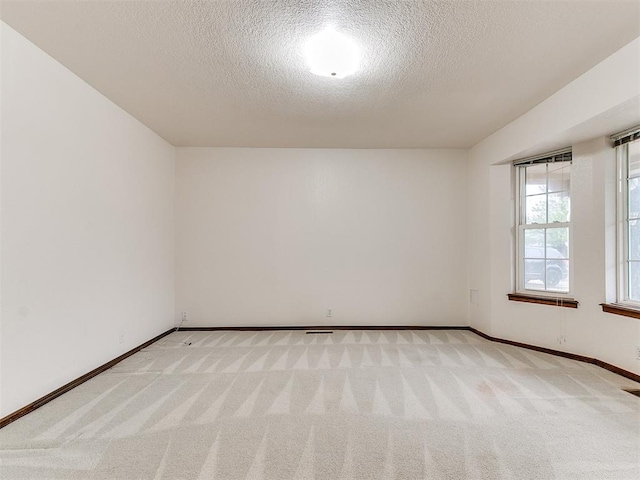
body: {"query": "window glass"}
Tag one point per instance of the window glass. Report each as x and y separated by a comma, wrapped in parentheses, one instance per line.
(534, 274)
(634, 240)
(557, 272)
(634, 159)
(558, 207)
(634, 281)
(536, 209)
(559, 177)
(536, 179)
(634, 198)
(558, 242)
(534, 243)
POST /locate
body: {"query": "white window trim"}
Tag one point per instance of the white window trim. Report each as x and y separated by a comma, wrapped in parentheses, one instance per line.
(622, 231)
(521, 227)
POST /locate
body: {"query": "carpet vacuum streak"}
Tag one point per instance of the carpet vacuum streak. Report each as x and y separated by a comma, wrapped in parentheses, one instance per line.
(355, 404)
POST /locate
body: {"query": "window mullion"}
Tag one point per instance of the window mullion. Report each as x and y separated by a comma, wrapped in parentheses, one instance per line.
(528, 226)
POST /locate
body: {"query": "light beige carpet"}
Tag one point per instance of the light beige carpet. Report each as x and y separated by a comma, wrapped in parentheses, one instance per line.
(349, 405)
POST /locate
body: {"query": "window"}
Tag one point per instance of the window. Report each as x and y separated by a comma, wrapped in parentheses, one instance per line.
(544, 224)
(629, 223)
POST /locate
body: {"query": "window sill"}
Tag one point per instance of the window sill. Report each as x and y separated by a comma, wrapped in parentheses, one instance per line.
(623, 310)
(553, 301)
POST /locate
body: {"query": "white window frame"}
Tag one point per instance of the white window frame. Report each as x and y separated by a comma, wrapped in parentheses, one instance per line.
(622, 234)
(521, 226)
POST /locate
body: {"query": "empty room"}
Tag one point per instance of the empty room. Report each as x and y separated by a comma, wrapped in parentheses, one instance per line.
(328, 239)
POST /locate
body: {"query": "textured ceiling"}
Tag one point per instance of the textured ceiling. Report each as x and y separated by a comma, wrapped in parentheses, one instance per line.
(232, 73)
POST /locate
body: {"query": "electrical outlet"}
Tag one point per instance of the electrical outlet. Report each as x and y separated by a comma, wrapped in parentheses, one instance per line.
(184, 317)
(638, 352)
(473, 297)
(121, 337)
(329, 313)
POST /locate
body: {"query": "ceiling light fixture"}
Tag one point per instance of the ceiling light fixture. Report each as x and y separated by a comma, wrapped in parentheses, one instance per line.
(332, 54)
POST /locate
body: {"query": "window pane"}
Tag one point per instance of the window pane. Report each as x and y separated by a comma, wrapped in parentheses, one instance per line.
(558, 242)
(534, 243)
(534, 275)
(634, 198)
(559, 174)
(536, 208)
(559, 207)
(557, 274)
(634, 159)
(634, 281)
(634, 240)
(536, 179)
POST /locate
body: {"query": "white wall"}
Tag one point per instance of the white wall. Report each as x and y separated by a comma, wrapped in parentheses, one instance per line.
(278, 236)
(87, 227)
(601, 93)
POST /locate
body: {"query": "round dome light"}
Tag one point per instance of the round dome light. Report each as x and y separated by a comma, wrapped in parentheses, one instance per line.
(332, 54)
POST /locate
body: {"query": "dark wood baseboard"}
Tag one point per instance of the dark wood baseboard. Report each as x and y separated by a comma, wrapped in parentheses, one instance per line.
(74, 383)
(325, 327)
(78, 381)
(572, 356)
